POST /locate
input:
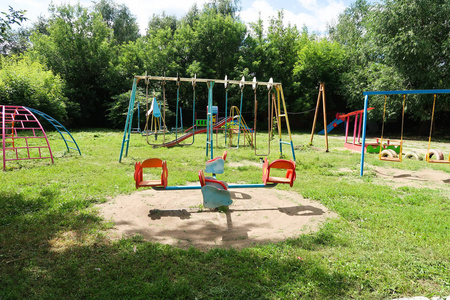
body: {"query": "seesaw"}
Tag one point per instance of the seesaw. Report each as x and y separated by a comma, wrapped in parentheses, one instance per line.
(215, 192)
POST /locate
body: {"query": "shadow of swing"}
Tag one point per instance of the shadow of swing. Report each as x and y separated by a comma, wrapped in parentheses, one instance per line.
(183, 214)
(416, 178)
(409, 176)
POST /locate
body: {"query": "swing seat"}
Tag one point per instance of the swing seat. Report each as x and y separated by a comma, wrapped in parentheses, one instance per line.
(150, 163)
(437, 155)
(216, 165)
(413, 155)
(390, 155)
(288, 165)
(215, 192)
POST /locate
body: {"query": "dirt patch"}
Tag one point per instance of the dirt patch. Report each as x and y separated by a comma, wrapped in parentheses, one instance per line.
(422, 178)
(175, 217)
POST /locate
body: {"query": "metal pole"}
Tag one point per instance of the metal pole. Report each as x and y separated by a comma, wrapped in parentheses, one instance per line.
(315, 114)
(363, 145)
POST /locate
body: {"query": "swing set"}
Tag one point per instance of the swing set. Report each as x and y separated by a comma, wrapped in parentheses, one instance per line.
(215, 192)
(391, 154)
(156, 113)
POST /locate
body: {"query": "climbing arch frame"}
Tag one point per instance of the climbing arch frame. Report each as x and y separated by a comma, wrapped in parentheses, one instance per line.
(281, 114)
(67, 137)
(366, 105)
(24, 138)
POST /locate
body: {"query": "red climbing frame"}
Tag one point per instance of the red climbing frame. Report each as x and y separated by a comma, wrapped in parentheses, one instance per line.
(22, 135)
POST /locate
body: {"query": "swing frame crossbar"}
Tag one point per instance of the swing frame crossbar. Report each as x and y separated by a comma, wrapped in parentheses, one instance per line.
(210, 83)
(366, 95)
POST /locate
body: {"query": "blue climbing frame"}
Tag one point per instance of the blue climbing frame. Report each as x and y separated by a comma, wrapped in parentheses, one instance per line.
(65, 134)
(366, 105)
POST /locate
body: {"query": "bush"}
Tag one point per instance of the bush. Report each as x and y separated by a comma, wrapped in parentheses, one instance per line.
(28, 83)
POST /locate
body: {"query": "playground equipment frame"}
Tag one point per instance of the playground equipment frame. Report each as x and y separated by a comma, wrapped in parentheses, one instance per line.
(400, 92)
(210, 84)
(21, 119)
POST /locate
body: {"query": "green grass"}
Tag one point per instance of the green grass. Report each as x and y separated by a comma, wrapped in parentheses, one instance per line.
(389, 241)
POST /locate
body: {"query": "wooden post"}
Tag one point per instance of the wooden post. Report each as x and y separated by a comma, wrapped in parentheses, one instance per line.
(322, 88)
(321, 96)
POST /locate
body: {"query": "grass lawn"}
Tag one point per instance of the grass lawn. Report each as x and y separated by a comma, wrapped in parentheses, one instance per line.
(390, 240)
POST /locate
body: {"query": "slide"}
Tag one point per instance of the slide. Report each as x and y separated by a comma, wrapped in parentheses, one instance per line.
(188, 135)
(331, 126)
(341, 118)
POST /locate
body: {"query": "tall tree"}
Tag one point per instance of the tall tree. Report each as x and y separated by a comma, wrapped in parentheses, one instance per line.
(16, 41)
(283, 43)
(119, 19)
(78, 47)
(224, 7)
(11, 17)
(12, 41)
(162, 21)
(395, 45)
(414, 36)
(319, 61)
(364, 67)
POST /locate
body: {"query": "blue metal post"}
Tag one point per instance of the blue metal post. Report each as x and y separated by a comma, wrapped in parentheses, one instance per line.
(127, 129)
(176, 110)
(292, 148)
(193, 117)
(139, 118)
(226, 114)
(363, 145)
(181, 118)
(209, 123)
(240, 116)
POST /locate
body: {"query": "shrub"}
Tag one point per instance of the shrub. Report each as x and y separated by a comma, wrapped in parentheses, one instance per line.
(28, 83)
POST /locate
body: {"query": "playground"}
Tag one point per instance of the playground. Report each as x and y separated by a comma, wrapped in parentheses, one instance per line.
(69, 215)
(314, 223)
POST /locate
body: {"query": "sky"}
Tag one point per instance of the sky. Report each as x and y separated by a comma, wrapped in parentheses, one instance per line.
(315, 14)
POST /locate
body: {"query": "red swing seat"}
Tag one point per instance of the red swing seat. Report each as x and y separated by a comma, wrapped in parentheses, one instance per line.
(150, 163)
(288, 165)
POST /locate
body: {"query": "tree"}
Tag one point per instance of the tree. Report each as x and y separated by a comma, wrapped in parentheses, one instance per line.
(16, 41)
(13, 17)
(224, 7)
(414, 36)
(162, 21)
(319, 61)
(119, 19)
(281, 55)
(79, 47)
(394, 45)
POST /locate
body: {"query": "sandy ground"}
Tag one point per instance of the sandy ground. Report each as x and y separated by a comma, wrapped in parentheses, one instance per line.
(175, 218)
(423, 178)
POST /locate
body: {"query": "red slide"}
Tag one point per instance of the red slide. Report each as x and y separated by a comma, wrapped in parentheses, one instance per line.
(188, 135)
